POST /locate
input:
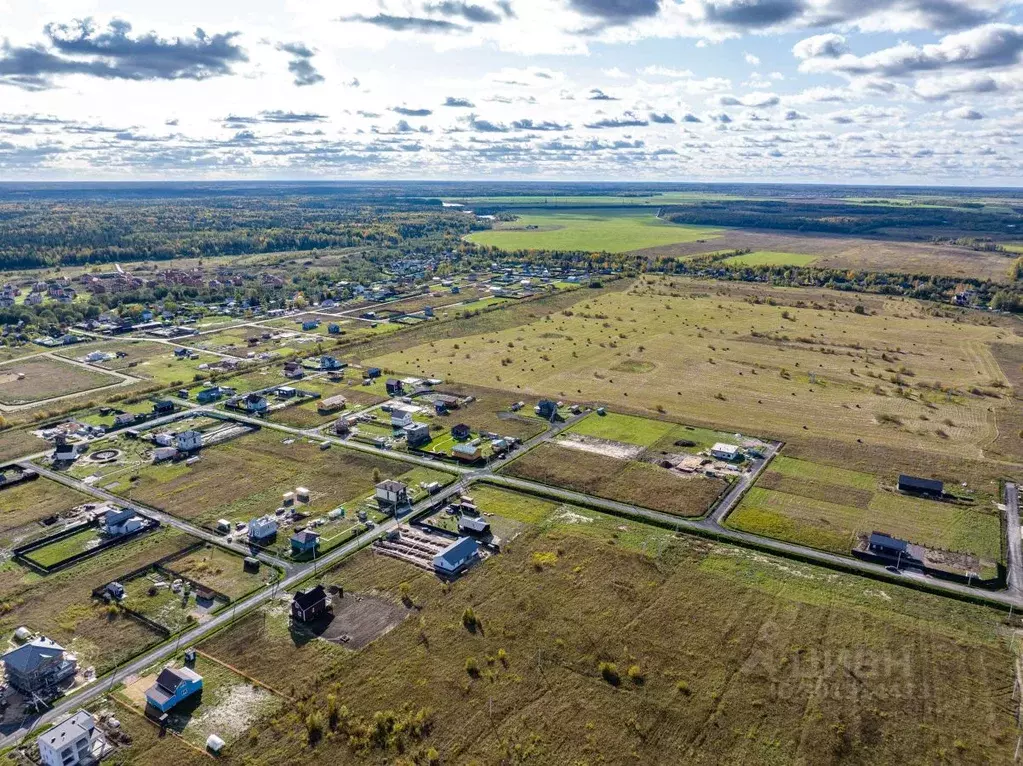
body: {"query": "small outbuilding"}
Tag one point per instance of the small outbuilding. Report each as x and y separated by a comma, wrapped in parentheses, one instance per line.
(917, 486)
(724, 451)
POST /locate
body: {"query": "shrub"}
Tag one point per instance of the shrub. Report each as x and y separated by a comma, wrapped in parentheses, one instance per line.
(682, 687)
(469, 619)
(609, 672)
(636, 674)
(314, 727)
(472, 667)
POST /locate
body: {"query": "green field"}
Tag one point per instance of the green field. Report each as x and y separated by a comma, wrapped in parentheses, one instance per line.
(64, 549)
(616, 231)
(642, 432)
(769, 258)
(827, 508)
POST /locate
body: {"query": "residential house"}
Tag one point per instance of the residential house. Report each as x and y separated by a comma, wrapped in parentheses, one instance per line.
(71, 742)
(334, 329)
(330, 363)
(392, 496)
(467, 453)
(886, 545)
(724, 451)
(39, 667)
(331, 404)
(917, 486)
(311, 324)
(307, 605)
(124, 419)
(181, 353)
(64, 451)
(546, 409)
(208, 395)
(373, 372)
(121, 521)
(188, 441)
(293, 370)
(262, 528)
(255, 404)
(417, 434)
(461, 432)
(164, 439)
(163, 407)
(449, 402)
(401, 418)
(172, 686)
(394, 387)
(304, 543)
(457, 556)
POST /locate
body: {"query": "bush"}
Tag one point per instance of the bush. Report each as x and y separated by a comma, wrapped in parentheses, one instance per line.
(636, 674)
(472, 667)
(469, 619)
(314, 728)
(609, 672)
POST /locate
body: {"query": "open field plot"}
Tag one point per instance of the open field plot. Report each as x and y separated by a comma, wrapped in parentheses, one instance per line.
(613, 231)
(18, 443)
(628, 481)
(61, 550)
(827, 508)
(151, 596)
(655, 199)
(24, 507)
(582, 645)
(841, 252)
(770, 258)
(809, 365)
(210, 490)
(7, 353)
(491, 411)
(227, 706)
(294, 324)
(235, 341)
(220, 570)
(305, 414)
(145, 359)
(41, 377)
(61, 607)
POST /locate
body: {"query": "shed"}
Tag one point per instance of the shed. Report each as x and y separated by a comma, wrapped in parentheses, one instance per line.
(724, 451)
(461, 432)
(215, 744)
(885, 544)
(920, 486)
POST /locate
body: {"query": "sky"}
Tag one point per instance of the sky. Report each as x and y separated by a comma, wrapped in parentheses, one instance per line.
(823, 91)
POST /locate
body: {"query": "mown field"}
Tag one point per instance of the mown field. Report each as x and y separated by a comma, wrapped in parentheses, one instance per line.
(246, 477)
(580, 647)
(46, 378)
(661, 435)
(629, 481)
(777, 362)
(144, 359)
(827, 507)
(612, 231)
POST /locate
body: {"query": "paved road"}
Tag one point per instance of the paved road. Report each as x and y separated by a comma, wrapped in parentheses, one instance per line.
(1014, 552)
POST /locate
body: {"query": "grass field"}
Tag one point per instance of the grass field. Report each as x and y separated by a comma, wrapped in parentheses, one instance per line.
(768, 258)
(60, 550)
(629, 481)
(616, 231)
(806, 366)
(22, 506)
(220, 570)
(46, 378)
(827, 507)
(692, 652)
(209, 490)
(18, 443)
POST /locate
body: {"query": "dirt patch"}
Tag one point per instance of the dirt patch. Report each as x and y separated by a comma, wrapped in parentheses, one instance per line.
(235, 712)
(358, 620)
(597, 446)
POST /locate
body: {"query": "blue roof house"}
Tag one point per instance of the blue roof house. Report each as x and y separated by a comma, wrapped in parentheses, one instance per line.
(172, 686)
(457, 556)
(304, 543)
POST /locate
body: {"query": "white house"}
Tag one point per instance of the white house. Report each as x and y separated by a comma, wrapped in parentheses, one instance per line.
(189, 441)
(164, 440)
(392, 495)
(262, 528)
(121, 521)
(456, 556)
(401, 417)
(71, 742)
(724, 451)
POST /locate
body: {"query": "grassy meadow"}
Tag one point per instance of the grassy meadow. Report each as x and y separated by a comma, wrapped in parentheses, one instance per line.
(612, 231)
(826, 507)
(769, 258)
(777, 362)
(40, 377)
(588, 637)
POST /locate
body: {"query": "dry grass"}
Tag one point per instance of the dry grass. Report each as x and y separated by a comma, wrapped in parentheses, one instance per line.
(628, 481)
(45, 378)
(741, 659)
